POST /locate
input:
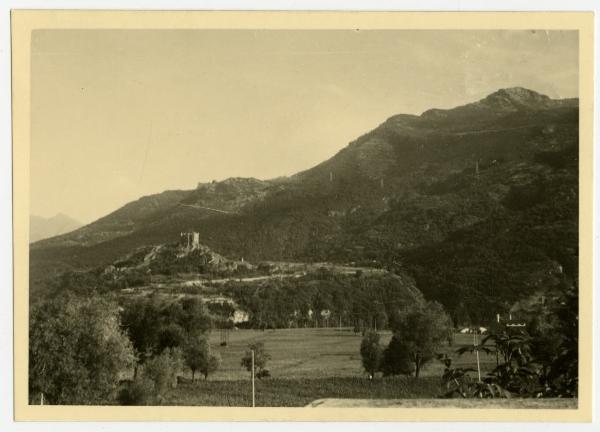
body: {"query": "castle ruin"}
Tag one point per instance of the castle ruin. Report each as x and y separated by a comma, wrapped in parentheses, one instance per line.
(190, 240)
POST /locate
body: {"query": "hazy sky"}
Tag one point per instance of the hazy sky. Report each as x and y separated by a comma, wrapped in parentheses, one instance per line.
(121, 114)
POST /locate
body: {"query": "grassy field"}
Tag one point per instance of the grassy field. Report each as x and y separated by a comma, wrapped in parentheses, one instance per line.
(311, 364)
(317, 353)
(306, 365)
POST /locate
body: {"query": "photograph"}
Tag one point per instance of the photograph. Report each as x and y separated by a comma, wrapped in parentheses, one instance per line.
(327, 218)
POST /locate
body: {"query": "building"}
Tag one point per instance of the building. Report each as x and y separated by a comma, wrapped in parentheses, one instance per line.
(190, 240)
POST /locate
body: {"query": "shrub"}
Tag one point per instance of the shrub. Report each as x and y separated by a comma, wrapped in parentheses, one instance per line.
(140, 391)
(264, 373)
(212, 365)
(542, 365)
(261, 357)
(163, 369)
(396, 359)
(370, 352)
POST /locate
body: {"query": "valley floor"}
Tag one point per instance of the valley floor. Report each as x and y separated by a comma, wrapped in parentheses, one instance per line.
(318, 353)
(307, 365)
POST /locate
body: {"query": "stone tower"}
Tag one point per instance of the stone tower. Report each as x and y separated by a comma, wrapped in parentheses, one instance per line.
(190, 240)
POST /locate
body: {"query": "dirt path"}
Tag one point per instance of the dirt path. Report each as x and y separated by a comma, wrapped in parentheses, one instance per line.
(550, 403)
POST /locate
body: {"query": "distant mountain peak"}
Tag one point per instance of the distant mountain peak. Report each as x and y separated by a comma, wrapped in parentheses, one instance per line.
(45, 227)
(516, 97)
(501, 102)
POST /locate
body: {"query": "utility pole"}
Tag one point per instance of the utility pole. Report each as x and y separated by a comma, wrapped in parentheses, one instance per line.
(496, 346)
(476, 345)
(253, 400)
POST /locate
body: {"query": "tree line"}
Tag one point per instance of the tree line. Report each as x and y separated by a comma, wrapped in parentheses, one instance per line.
(324, 299)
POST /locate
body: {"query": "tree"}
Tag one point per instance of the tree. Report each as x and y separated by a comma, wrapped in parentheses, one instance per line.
(396, 359)
(261, 357)
(191, 315)
(195, 354)
(153, 325)
(77, 351)
(170, 336)
(422, 330)
(212, 365)
(370, 352)
(163, 370)
(563, 376)
(142, 321)
(198, 357)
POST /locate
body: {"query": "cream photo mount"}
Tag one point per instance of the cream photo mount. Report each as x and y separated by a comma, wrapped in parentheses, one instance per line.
(25, 21)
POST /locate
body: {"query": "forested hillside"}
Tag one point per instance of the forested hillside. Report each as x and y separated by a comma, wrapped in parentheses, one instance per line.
(478, 203)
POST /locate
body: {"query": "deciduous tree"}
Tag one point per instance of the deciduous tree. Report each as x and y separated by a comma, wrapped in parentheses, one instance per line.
(261, 357)
(77, 351)
(422, 330)
(199, 357)
(396, 359)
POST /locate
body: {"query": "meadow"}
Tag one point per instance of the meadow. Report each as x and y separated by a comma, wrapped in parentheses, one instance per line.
(319, 353)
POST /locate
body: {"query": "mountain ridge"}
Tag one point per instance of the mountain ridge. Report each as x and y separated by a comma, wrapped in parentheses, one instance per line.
(506, 100)
(391, 198)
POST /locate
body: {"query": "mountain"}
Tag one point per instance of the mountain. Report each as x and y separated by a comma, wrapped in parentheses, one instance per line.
(478, 203)
(41, 228)
(208, 199)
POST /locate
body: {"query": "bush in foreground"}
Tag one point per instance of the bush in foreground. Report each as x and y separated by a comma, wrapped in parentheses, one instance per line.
(140, 391)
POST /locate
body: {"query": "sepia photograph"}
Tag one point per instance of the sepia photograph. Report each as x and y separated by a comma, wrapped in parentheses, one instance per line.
(331, 218)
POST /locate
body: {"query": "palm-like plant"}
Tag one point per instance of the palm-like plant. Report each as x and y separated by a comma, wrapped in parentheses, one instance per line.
(518, 374)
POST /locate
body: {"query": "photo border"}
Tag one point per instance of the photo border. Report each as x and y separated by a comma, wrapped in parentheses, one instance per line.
(23, 22)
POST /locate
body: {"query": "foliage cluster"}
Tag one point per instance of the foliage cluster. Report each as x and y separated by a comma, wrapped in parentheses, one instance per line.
(77, 351)
(539, 362)
(324, 299)
(418, 334)
(257, 355)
